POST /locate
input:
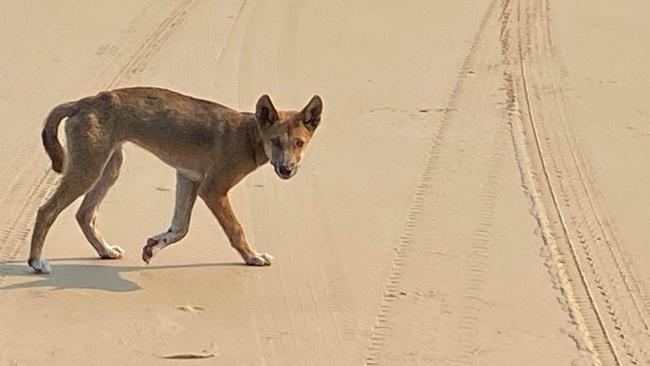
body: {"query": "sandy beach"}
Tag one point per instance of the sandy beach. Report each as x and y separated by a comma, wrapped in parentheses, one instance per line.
(475, 195)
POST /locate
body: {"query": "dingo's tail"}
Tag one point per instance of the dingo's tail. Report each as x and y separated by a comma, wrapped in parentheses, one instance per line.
(50, 139)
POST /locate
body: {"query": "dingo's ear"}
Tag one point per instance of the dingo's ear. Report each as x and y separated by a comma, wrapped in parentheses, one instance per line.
(312, 112)
(265, 111)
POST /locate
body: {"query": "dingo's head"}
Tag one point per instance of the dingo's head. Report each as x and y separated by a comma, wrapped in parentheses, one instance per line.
(286, 134)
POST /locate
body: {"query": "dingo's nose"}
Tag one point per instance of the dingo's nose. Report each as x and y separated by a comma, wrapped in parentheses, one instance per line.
(285, 171)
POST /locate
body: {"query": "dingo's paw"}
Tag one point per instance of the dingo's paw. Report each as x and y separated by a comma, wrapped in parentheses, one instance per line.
(259, 259)
(149, 250)
(113, 252)
(39, 266)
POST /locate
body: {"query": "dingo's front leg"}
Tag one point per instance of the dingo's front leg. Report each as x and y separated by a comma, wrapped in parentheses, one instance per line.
(186, 191)
(222, 210)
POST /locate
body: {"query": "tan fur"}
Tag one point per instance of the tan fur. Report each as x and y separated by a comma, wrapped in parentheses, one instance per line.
(212, 148)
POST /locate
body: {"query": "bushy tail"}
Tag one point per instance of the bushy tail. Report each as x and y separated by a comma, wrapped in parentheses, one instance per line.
(50, 139)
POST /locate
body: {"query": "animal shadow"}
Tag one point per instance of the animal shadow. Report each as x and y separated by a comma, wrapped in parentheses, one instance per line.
(101, 277)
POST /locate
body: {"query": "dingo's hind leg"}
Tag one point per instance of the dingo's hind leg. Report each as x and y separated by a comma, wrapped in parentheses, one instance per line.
(73, 184)
(87, 214)
(89, 147)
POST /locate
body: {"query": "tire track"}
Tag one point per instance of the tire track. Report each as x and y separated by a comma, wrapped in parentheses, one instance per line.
(623, 263)
(417, 229)
(479, 254)
(571, 188)
(151, 45)
(528, 166)
(599, 285)
(237, 57)
(317, 296)
(17, 232)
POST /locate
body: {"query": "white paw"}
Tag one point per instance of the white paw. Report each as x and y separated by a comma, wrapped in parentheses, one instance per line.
(259, 259)
(113, 252)
(40, 267)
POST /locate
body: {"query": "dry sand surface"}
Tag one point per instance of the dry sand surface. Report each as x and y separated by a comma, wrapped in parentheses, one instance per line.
(477, 193)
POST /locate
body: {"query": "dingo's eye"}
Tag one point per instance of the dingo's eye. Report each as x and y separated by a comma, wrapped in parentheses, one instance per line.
(299, 143)
(277, 143)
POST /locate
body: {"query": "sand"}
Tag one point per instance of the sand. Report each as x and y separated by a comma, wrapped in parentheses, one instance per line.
(475, 194)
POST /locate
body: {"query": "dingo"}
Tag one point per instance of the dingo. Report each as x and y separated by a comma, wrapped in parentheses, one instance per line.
(212, 148)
